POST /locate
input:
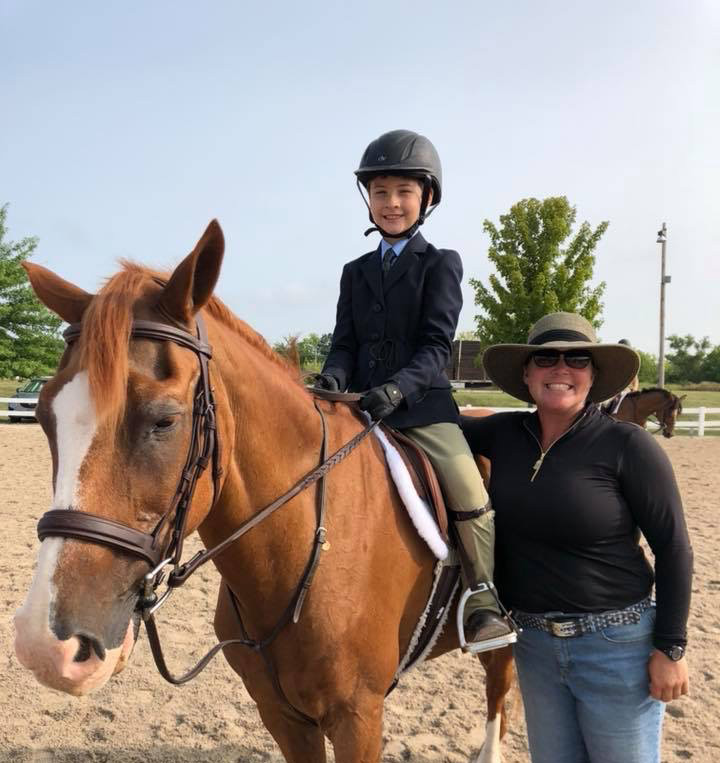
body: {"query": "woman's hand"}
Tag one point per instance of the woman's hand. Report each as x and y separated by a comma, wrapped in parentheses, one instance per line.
(668, 679)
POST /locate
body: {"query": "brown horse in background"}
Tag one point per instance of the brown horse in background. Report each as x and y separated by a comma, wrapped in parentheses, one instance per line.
(119, 417)
(658, 402)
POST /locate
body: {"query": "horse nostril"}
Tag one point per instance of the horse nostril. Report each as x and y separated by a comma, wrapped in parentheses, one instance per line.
(87, 646)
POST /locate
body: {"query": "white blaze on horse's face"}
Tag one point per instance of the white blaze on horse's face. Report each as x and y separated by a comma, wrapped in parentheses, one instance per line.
(37, 647)
(74, 430)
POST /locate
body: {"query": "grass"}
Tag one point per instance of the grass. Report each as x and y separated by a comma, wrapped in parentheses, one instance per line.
(696, 398)
(494, 398)
(487, 398)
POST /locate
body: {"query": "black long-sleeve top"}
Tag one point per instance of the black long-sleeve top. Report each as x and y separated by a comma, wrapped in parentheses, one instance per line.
(567, 539)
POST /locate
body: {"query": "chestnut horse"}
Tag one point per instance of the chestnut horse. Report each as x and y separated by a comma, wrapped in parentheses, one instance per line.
(119, 418)
(658, 402)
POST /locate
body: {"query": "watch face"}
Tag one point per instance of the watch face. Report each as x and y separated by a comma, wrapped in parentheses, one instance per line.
(675, 653)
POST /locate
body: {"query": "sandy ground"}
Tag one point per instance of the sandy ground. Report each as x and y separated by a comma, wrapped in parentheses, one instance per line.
(435, 716)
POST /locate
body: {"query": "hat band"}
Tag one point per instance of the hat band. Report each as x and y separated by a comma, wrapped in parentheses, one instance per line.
(559, 335)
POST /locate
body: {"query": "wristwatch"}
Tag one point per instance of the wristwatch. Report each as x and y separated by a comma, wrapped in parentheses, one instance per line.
(675, 652)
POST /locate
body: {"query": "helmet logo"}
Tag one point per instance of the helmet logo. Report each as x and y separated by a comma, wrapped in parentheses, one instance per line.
(382, 158)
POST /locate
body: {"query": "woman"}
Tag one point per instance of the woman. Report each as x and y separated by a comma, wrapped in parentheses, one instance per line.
(572, 489)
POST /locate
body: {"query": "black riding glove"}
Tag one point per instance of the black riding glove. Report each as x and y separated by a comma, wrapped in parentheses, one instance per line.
(381, 401)
(327, 382)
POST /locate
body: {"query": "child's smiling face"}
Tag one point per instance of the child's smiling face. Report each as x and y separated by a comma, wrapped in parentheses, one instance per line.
(395, 202)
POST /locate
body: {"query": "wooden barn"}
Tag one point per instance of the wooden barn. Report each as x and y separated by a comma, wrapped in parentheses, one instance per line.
(462, 366)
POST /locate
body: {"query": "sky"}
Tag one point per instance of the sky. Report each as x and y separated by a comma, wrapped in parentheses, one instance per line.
(129, 125)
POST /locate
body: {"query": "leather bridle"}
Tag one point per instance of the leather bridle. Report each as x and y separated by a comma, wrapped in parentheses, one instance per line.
(203, 449)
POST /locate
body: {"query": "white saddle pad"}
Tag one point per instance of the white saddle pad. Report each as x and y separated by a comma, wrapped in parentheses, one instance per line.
(417, 508)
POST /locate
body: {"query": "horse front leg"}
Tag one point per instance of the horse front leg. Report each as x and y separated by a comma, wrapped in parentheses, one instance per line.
(498, 666)
(299, 741)
(356, 730)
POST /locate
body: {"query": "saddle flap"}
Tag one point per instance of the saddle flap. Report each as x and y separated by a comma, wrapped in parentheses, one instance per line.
(422, 474)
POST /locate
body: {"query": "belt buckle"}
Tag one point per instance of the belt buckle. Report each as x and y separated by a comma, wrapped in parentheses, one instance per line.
(564, 629)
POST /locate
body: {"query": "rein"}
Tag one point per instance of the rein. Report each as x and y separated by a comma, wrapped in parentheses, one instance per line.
(204, 447)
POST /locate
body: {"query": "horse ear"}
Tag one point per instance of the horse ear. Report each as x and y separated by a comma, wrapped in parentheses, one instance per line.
(63, 298)
(193, 280)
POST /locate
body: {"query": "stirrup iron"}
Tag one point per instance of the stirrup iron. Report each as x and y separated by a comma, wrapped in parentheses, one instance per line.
(487, 644)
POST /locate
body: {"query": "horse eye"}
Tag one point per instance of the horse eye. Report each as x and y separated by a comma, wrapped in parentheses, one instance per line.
(164, 424)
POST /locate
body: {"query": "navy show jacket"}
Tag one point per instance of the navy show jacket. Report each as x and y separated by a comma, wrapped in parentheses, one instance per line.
(400, 328)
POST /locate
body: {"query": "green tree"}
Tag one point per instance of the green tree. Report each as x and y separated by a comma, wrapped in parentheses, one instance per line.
(711, 365)
(30, 344)
(313, 349)
(648, 368)
(538, 271)
(686, 361)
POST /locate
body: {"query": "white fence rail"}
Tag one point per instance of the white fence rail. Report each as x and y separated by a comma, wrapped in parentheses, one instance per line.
(699, 423)
(18, 414)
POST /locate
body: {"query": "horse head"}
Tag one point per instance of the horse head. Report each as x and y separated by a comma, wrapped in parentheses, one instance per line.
(667, 415)
(118, 416)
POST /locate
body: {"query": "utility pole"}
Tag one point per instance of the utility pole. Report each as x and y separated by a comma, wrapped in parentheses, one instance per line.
(662, 240)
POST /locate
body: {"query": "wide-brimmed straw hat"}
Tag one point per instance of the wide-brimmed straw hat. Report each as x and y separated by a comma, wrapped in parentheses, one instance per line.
(615, 364)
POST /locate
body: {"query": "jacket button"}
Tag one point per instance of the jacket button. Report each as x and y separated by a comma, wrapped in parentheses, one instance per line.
(377, 307)
(371, 363)
(374, 335)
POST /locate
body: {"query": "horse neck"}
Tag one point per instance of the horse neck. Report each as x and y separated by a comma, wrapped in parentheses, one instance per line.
(270, 434)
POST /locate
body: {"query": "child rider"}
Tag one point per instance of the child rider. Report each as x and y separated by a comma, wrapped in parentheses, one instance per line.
(396, 319)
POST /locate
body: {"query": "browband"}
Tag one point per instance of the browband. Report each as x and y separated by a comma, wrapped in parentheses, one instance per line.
(151, 330)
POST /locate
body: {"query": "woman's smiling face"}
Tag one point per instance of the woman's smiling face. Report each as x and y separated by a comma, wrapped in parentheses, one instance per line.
(558, 389)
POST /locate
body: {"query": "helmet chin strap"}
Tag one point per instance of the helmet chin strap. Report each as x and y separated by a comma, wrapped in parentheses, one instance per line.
(408, 232)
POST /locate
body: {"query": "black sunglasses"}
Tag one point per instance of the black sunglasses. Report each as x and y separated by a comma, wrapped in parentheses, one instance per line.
(572, 358)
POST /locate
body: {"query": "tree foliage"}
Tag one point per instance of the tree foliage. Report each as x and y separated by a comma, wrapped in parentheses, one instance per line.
(687, 361)
(538, 270)
(648, 373)
(711, 365)
(309, 353)
(30, 344)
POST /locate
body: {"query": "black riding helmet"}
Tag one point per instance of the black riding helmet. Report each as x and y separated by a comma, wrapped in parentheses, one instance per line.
(407, 154)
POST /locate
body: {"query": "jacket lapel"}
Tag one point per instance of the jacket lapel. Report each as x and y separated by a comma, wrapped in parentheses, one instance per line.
(409, 257)
(373, 273)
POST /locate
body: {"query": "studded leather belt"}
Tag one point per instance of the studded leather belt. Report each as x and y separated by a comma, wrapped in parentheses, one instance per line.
(564, 625)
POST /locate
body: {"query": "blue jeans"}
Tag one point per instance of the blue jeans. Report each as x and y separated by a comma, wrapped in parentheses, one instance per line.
(587, 699)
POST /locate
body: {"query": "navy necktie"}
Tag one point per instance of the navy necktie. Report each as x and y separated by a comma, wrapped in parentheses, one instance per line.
(388, 260)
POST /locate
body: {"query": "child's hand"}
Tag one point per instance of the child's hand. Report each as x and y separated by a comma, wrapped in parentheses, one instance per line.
(327, 382)
(381, 401)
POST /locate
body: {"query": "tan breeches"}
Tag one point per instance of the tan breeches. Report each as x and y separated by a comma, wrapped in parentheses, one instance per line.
(464, 491)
